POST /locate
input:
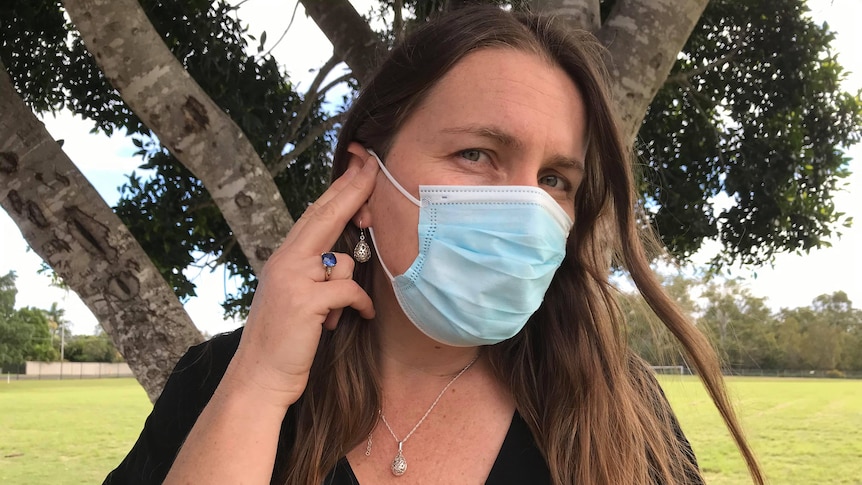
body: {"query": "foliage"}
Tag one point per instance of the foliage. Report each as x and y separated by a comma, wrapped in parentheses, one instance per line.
(57, 323)
(753, 109)
(92, 348)
(32, 334)
(8, 291)
(824, 336)
(646, 335)
(24, 333)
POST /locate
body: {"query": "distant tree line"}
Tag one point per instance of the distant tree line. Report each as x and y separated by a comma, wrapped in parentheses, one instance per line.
(34, 334)
(825, 335)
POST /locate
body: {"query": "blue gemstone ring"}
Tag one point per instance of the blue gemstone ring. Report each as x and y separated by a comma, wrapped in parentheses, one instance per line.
(328, 263)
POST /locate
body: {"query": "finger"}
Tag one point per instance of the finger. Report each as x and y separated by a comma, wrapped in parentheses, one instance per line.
(343, 269)
(331, 192)
(324, 225)
(343, 181)
(332, 319)
(346, 181)
(348, 293)
(337, 186)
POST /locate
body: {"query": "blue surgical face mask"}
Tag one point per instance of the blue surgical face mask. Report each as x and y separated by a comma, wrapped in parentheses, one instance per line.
(487, 255)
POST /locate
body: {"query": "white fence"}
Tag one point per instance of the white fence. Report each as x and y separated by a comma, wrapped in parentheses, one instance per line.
(75, 370)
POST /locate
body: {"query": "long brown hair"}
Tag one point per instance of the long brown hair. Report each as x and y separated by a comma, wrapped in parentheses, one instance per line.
(596, 413)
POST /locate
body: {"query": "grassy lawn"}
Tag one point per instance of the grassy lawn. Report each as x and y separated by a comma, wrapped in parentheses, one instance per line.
(805, 431)
(67, 432)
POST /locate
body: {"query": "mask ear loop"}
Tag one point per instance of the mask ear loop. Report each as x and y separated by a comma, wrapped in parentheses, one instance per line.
(379, 255)
(394, 182)
(403, 192)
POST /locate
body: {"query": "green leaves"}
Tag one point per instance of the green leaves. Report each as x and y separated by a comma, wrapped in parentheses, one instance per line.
(764, 126)
(262, 41)
(746, 333)
(25, 333)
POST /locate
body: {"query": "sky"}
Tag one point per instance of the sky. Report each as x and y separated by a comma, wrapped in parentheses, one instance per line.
(792, 280)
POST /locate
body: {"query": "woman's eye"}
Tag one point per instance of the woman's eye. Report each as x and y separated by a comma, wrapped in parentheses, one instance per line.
(472, 154)
(553, 181)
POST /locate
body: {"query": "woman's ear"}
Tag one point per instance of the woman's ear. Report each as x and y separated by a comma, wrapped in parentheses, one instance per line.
(359, 156)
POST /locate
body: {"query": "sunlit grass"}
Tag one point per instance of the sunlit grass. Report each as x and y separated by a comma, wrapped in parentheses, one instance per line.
(67, 432)
(804, 431)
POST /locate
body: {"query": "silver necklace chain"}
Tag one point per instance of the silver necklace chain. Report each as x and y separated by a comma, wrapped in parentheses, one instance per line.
(399, 464)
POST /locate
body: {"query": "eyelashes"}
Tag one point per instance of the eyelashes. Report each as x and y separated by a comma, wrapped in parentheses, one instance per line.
(548, 177)
(472, 154)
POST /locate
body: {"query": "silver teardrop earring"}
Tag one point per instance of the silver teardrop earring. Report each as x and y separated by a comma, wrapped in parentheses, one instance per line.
(362, 251)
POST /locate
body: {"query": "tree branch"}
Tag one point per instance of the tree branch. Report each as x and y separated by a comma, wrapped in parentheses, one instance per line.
(580, 14)
(643, 51)
(286, 29)
(335, 82)
(684, 77)
(398, 20)
(317, 131)
(352, 39)
(289, 129)
(224, 253)
(302, 113)
(186, 121)
(66, 222)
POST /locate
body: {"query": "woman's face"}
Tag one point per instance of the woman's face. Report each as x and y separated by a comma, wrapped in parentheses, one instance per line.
(498, 117)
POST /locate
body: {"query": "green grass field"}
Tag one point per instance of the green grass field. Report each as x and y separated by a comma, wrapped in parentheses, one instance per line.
(67, 432)
(805, 431)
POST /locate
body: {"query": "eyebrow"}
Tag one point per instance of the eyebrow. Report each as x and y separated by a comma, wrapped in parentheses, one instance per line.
(510, 141)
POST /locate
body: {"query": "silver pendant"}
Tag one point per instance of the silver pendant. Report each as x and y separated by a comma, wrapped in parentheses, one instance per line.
(399, 464)
(362, 251)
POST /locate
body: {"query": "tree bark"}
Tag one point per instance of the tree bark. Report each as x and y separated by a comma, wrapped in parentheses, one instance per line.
(643, 38)
(579, 14)
(67, 224)
(154, 84)
(352, 38)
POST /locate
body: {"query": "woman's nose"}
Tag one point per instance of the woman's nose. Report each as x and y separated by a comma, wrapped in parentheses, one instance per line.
(528, 176)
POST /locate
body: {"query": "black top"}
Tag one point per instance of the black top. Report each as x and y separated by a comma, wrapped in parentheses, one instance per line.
(192, 384)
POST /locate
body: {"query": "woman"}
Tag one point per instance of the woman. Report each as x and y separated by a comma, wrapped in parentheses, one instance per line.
(481, 341)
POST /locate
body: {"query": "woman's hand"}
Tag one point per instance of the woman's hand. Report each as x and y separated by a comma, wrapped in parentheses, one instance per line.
(293, 300)
(235, 437)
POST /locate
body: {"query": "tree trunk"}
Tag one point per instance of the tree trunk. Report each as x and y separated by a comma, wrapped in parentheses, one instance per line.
(67, 224)
(643, 38)
(154, 84)
(581, 14)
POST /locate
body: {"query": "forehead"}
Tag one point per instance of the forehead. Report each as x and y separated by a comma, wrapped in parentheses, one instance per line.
(520, 92)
